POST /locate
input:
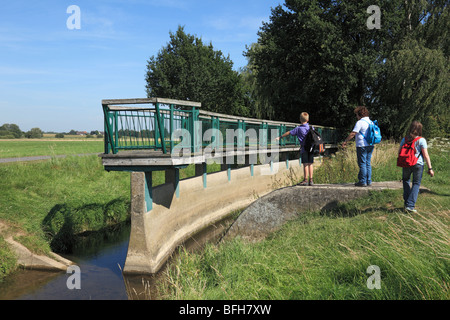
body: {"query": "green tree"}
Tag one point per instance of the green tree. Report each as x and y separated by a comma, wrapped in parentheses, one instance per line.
(414, 83)
(11, 129)
(186, 69)
(319, 56)
(416, 87)
(34, 133)
(257, 98)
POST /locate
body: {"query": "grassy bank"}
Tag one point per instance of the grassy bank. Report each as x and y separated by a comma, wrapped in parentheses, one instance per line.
(40, 201)
(326, 255)
(46, 204)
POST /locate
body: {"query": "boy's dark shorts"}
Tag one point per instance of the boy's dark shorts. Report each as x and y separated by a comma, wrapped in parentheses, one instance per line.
(307, 157)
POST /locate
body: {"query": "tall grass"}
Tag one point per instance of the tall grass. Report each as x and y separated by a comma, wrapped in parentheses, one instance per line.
(323, 258)
(325, 255)
(7, 258)
(342, 167)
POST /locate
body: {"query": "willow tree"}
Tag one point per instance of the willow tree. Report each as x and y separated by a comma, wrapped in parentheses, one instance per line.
(415, 82)
(320, 56)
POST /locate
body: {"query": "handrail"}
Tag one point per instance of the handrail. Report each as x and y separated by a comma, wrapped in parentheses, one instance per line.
(154, 127)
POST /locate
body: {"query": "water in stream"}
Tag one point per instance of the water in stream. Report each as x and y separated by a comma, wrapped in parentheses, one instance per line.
(101, 260)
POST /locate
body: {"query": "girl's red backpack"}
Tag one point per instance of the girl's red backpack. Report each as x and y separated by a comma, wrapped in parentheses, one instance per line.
(407, 156)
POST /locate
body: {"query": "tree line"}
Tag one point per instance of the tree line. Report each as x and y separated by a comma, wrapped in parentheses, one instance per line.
(12, 131)
(320, 57)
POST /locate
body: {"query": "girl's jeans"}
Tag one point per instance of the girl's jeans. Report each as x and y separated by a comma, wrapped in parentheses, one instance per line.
(364, 156)
(410, 193)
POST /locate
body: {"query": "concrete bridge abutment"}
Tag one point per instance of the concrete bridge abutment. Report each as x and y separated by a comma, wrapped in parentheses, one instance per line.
(181, 208)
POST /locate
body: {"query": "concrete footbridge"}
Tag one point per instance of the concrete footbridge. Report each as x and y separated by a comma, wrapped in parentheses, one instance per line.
(156, 134)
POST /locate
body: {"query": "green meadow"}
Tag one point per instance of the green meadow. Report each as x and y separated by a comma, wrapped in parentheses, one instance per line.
(49, 147)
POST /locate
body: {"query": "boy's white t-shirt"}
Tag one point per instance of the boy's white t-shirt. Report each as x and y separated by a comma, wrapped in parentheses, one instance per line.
(360, 128)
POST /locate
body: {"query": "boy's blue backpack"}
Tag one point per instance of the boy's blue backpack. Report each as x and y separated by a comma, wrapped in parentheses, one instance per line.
(373, 133)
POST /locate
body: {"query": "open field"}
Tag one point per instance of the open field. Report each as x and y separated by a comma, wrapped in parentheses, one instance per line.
(14, 148)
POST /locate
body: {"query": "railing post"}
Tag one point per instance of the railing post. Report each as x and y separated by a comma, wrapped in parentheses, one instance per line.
(156, 133)
(192, 130)
(106, 128)
(241, 135)
(216, 125)
(160, 127)
(109, 131)
(171, 127)
(116, 131)
(282, 129)
(196, 131)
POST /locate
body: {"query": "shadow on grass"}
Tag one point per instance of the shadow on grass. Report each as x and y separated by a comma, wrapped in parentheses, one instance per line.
(67, 223)
(377, 200)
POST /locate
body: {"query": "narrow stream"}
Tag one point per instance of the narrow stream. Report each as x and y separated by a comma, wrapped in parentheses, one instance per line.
(101, 278)
(101, 260)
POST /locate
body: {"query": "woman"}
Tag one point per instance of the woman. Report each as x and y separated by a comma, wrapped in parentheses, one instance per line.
(363, 149)
(410, 193)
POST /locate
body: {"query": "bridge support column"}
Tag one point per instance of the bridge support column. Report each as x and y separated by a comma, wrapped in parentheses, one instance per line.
(227, 168)
(200, 170)
(138, 247)
(173, 176)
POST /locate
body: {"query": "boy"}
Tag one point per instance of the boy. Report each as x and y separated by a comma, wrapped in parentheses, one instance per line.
(306, 157)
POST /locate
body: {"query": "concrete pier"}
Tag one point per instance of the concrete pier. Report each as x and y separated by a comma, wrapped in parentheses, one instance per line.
(156, 233)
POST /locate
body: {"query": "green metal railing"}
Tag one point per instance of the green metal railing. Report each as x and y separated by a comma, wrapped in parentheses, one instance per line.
(153, 124)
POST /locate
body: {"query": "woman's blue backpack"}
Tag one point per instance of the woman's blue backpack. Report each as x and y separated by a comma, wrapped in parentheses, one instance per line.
(373, 133)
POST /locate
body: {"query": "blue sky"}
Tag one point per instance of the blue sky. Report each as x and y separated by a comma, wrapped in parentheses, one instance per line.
(54, 78)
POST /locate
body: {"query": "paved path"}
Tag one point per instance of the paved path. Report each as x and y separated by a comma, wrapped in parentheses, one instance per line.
(37, 158)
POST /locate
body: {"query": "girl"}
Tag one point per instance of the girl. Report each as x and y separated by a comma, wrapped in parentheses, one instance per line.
(410, 193)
